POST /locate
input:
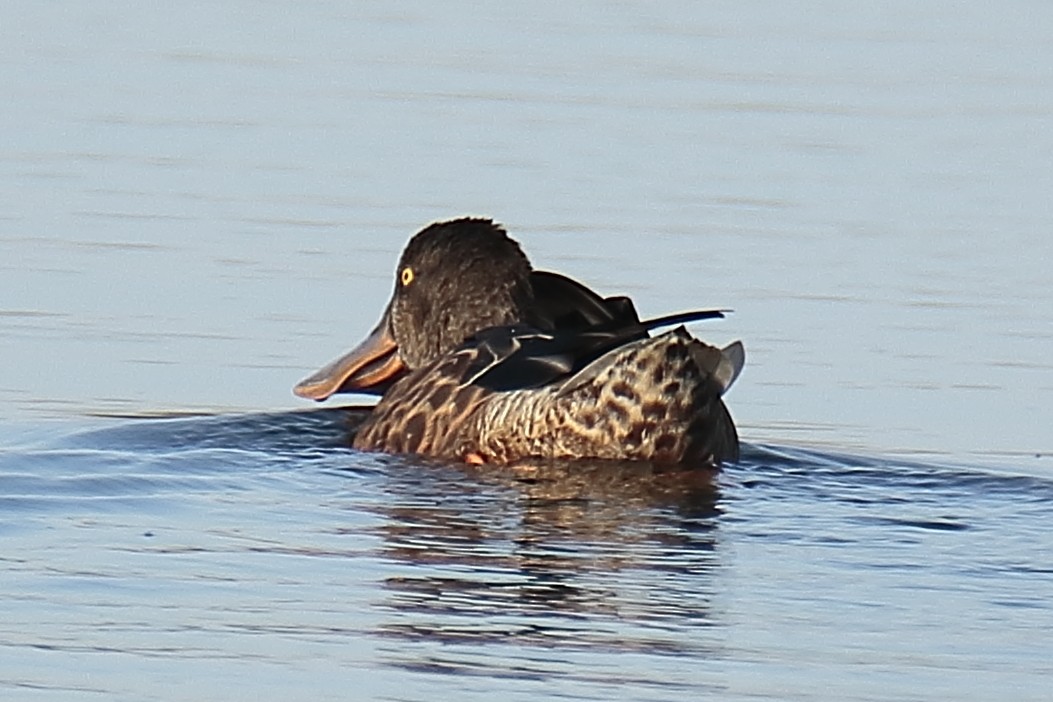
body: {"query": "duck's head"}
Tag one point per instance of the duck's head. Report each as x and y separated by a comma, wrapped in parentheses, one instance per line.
(453, 279)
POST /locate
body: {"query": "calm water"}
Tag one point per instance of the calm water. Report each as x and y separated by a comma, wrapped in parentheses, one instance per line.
(199, 204)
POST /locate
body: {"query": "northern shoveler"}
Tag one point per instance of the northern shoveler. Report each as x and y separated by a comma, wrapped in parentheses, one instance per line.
(480, 358)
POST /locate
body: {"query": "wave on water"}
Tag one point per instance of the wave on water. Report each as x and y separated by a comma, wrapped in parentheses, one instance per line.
(145, 451)
(309, 433)
(303, 430)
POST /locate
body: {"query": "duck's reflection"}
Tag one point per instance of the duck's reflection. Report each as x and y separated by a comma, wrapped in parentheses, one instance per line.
(555, 554)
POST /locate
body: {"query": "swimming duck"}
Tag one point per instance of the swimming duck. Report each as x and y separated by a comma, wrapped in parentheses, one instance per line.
(480, 358)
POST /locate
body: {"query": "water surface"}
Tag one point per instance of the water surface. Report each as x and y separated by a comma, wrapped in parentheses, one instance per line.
(276, 562)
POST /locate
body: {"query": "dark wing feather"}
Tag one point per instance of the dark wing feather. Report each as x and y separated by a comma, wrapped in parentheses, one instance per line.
(671, 320)
(517, 357)
(562, 304)
(569, 327)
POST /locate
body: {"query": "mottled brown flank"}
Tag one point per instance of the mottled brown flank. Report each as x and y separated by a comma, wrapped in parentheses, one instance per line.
(659, 375)
(664, 443)
(654, 409)
(411, 411)
(589, 418)
(682, 420)
(438, 398)
(618, 414)
(635, 436)
(413, 432)
(623, 390)
(398, 414)
(461, 402)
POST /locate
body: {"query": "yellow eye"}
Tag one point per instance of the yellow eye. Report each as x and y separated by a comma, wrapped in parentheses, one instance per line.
(406, 276)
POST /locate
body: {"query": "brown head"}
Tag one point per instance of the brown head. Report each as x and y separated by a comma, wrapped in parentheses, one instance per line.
(454, 278)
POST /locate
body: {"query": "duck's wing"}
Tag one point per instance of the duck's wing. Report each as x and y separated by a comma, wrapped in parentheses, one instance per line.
(514, 358)
(519, 357)
(563, 304)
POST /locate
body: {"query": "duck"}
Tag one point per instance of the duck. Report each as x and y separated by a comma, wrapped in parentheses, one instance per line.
(480, 358)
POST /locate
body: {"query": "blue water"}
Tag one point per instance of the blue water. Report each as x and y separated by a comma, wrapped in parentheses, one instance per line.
(245, 556)
(200, 203)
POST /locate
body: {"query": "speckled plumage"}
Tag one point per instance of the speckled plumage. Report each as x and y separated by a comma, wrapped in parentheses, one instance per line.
(654, 399)
(560, 375)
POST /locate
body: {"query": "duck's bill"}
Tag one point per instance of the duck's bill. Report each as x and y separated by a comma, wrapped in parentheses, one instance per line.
(370, 367)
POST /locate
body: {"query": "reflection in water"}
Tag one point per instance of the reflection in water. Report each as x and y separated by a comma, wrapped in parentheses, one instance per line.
(581, 555)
